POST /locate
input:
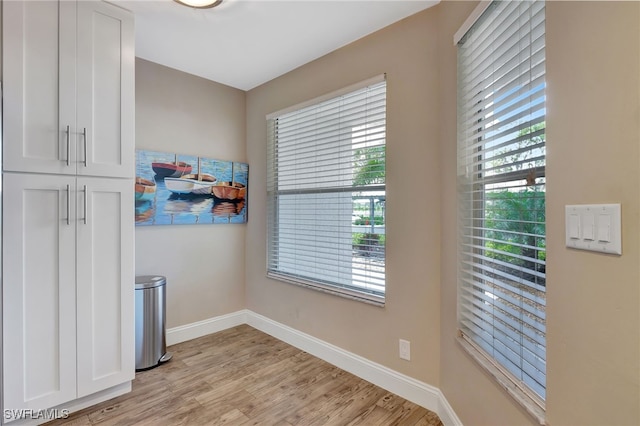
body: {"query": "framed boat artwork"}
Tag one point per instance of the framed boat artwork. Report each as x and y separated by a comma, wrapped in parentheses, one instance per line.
(177, 189)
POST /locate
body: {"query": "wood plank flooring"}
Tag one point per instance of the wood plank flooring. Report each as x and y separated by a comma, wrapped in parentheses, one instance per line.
(242, 376)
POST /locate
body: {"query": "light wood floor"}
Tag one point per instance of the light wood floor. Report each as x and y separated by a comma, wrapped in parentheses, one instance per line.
(242, 376)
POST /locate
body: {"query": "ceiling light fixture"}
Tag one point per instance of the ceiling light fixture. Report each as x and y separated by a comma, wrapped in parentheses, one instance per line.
(200, 4)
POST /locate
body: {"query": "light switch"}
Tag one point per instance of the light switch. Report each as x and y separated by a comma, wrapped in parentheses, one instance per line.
(594, 227)
(588, 223)
(574, 226)
(604, 228)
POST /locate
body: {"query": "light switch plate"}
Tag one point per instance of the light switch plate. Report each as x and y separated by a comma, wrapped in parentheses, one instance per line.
(594, 227)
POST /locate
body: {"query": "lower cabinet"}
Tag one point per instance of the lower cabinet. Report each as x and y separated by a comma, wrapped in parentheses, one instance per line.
(68, 287)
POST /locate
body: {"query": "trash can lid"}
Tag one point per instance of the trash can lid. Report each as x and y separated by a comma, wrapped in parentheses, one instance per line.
(149, 281)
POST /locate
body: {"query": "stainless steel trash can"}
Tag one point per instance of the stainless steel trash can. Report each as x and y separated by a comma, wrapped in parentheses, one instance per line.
(151, 344)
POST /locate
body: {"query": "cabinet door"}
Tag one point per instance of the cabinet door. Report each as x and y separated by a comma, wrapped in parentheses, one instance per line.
(39, 298)
(39, 60)
(105, 289)
(105, 90)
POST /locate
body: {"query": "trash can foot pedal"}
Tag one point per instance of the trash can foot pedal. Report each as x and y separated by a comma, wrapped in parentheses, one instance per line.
(166, 357)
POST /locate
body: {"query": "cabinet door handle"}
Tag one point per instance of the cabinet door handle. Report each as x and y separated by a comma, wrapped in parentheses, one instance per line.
(68, 203)
(85, 204)
(84, 133)
(68, 145)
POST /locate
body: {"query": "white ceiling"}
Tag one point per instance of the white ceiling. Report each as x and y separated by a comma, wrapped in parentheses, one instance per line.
(244, 43)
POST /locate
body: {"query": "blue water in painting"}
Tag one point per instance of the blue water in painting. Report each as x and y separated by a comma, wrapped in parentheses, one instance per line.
(170, 209)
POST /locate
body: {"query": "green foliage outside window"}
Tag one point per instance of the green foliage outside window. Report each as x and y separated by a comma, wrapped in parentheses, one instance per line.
(369, 166)
(514, 220)
(377, 220)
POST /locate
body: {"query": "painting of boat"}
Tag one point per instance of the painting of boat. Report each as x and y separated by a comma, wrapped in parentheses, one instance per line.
(175, 169)
(144, 211)
(229, 191)
(191, 184)
(189, 189)
(227, 208)
(145, 189)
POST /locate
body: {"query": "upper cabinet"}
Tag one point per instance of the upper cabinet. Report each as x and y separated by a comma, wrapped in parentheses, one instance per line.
(68, 88)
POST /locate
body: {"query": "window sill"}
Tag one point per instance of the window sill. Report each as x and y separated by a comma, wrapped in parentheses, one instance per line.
(534, 407)
(346, 293)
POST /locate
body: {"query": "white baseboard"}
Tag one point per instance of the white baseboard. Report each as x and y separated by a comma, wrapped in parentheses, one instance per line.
(446, 413)
(413, 390)
(407, 387)
(202, 328)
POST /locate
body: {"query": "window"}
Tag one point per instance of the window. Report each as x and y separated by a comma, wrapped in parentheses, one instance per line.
(501, 181)
(326, 193)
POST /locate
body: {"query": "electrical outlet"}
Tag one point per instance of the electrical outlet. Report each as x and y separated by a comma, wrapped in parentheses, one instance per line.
(405, 349)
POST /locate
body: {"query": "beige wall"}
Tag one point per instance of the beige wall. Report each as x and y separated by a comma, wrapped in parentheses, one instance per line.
(593, 322)
(408, 54)
(204, 264)
(593, 52)
(593, 76)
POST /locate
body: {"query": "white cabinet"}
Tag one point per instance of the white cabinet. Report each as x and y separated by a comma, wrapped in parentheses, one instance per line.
(68, 319)
(104, 289)
(67, 201)
(39, 296)
(69, 83)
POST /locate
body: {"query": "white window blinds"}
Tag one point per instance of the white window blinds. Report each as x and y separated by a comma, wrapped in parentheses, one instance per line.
(501, 173)
(326, 193)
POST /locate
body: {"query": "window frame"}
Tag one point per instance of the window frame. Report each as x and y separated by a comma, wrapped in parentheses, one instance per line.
(532, 402)
(353, 292)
